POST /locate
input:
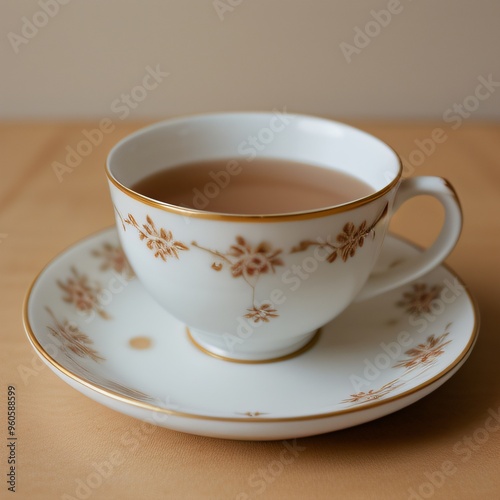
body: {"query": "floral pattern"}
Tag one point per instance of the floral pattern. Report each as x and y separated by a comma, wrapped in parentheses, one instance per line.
(72, 339)
(249, 262)
(373, 394)
(122, 389)
(84, 295)
(425, 353)
(160, 241)
(113, 257)
(252, 414)
(347, 242)
(419, 359)
(263, 313)
(419, 300)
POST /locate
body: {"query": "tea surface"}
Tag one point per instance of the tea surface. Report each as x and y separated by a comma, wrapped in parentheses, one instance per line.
(261, 186)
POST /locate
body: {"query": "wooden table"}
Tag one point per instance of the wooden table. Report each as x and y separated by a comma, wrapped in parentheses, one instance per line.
(62, 433)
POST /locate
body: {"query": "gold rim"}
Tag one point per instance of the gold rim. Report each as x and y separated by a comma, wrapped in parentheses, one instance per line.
(310, 214)
(290, 355)
(147, 406)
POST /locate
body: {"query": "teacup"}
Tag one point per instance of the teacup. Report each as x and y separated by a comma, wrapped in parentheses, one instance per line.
(183, 256)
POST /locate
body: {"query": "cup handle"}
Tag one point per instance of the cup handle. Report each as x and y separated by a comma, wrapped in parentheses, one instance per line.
(433, 256)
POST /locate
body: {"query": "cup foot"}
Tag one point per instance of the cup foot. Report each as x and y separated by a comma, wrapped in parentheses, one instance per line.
(198, 339)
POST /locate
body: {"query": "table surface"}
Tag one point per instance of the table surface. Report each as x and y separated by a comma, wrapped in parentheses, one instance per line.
(61, 433)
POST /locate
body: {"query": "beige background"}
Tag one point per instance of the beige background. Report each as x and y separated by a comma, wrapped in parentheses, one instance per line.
(263, 54)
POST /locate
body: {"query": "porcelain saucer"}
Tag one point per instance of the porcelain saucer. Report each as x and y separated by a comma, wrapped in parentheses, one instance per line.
(93, 324)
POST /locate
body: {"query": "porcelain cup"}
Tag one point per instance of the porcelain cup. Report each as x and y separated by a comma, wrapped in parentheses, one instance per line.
(256, 288)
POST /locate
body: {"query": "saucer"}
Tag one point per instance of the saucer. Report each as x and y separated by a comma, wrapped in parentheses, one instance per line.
(92, 323)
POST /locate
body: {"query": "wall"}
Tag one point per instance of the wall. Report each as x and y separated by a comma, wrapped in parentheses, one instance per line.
(314, 56)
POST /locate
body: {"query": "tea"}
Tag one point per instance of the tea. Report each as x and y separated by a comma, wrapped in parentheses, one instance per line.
(261, 186)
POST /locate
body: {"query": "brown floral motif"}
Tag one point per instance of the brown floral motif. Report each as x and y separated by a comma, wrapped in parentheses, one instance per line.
(121, 218)
(252, 414)
(104, 382)
(249, 262)
(82, 294)
(160, 241)
(123, 390)
(347, 242)
(72, 339)
(419, 300)
(419, 358)
(74, 342)
(264, 313)
(373, 394)
(426, 353)
(252, 262)
(113, 257)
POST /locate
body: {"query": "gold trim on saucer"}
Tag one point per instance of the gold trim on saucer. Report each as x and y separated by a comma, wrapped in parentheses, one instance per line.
(290, 355)
(174, 413)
